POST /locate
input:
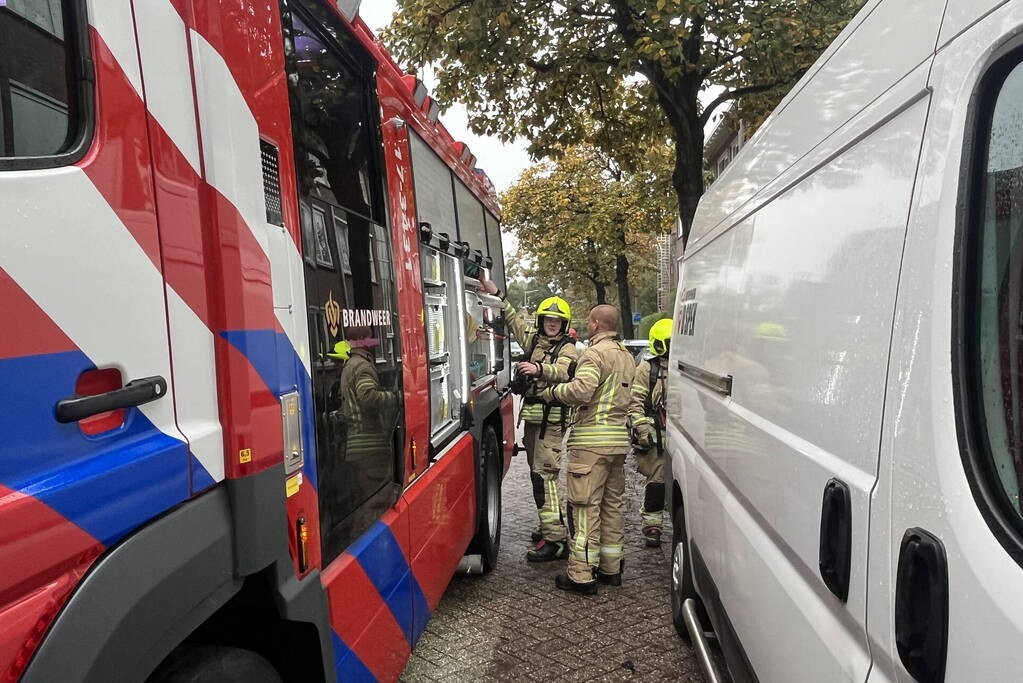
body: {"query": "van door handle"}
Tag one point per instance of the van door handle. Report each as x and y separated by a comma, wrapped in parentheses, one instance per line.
(921, 606)
(134, 393)
(836, 538)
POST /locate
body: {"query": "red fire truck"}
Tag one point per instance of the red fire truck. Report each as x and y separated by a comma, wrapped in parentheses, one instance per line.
(254, 408)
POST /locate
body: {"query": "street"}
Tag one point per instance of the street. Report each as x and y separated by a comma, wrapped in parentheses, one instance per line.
(513, 624)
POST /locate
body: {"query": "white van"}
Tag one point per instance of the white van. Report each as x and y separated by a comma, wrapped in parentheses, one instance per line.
(845, 404)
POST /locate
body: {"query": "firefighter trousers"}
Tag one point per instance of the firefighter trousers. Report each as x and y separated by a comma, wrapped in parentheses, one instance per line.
(650, 464)
(544, 457)
(596, 492)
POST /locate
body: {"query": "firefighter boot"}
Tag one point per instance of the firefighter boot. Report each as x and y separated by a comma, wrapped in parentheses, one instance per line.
(612, 579)
(566, 584)
(653, 513)
(536, 536)
(548, 551)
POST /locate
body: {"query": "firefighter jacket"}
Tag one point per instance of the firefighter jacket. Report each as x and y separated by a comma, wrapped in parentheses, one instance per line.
(647, 407)
(552, 370)
(370, 411)
(602, 389)
(647, 403)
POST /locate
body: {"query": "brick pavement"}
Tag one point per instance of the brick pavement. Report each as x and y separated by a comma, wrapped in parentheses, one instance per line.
(513, 624)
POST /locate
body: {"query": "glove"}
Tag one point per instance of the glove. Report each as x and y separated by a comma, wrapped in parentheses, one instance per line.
(643, 436)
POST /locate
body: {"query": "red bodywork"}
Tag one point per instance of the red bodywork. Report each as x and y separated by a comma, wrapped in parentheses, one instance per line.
(200, 242)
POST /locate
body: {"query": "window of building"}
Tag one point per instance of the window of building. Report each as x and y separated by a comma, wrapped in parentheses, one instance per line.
(41, 103)
(992, 306)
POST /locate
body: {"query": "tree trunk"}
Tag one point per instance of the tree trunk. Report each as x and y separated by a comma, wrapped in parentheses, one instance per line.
(601, 292)
(680, 102)
(624, 295)
(688, 177)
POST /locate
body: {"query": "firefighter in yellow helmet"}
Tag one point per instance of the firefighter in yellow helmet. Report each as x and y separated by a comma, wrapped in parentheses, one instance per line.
(646, 413)
(549, 359)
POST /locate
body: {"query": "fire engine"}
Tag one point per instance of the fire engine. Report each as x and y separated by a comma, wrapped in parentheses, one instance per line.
(254, 406)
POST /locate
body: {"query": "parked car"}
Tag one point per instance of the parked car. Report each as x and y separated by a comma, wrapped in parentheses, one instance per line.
(636, 347)
(845, 389)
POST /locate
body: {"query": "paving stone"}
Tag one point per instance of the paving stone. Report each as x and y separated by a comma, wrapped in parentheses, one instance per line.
(514, 625)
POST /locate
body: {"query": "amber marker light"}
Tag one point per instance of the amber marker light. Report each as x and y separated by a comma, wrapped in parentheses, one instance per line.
(303, 544)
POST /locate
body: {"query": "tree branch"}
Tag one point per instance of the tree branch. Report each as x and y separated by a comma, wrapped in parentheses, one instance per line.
(736, 93)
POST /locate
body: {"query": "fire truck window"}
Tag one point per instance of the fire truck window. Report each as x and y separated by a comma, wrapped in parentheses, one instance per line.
(337, 151)
(38, 103)
(471, 225)
(435, 200)
(1000, 296)
(350, 291)
(496, 250)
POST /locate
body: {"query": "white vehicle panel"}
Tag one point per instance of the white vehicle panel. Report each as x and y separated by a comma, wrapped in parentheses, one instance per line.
(853, 76)
(925, 484)
(811, 337)
(960, 14)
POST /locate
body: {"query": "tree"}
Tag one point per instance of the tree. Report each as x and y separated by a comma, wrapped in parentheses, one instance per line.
(586, 222)
(613, 73)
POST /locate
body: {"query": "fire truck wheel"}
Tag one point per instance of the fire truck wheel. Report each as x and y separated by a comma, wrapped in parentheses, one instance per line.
(214, 664)
(488, 534)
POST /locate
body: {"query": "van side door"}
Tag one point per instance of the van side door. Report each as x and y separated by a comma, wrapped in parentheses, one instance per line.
(784, 455)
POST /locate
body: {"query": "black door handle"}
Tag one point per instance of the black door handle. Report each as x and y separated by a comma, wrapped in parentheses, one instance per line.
(135, 393)
(921, 606)
(836, 538)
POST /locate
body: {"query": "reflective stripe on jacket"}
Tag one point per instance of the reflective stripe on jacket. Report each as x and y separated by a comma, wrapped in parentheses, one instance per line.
(640, 391)
(552, 370)
(602, 388)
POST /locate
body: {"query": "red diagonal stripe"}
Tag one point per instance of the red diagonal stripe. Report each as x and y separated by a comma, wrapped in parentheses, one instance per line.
(363, 621)
(28, 330)
(118, 162)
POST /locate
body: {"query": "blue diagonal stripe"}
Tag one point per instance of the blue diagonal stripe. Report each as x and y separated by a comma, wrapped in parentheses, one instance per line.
(279, 366)
(347, 664)
(109, 484)
(381, 558)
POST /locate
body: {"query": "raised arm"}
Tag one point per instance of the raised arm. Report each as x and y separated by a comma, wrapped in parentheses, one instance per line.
(518, 325)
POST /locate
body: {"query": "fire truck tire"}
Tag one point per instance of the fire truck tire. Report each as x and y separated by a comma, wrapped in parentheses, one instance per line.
(488, 534)
(214, 664)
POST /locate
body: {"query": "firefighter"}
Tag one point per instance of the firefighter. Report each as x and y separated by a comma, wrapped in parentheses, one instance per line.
(549, 358)
(369, 411)
(646, 412)
(597, 447)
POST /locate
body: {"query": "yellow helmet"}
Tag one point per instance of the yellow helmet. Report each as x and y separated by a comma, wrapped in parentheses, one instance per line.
(554, 307)
(771, 330)
(342, 351)
(660, 336)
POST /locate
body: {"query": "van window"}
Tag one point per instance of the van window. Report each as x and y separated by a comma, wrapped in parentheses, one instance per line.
(38, 102)
(999, 291)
